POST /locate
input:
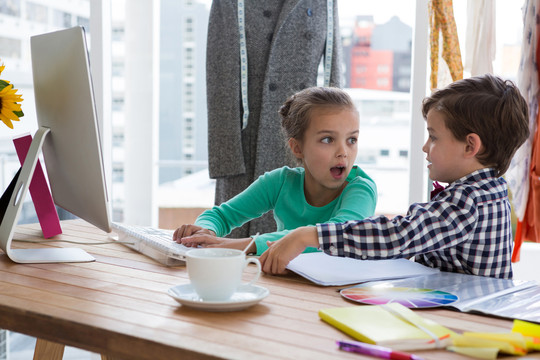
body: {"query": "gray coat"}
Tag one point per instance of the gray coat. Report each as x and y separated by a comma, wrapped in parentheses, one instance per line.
(285, 43)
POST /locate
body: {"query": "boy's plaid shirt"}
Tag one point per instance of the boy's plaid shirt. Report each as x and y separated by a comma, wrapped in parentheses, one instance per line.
(466, 228)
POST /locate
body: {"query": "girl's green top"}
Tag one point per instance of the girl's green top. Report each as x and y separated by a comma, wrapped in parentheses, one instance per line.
(282, 190)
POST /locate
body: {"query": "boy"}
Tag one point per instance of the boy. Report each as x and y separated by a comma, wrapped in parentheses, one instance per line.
(475, 126)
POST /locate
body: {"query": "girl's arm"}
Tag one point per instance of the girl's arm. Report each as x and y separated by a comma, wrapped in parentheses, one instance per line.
(427, 227)
(219, 221)
(358, 201)
(253, 202)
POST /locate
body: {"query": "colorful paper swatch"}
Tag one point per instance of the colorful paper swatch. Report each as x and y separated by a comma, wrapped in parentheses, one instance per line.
(409, 297)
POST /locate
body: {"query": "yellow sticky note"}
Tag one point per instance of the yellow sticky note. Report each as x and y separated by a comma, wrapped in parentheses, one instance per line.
(473, 340)
(533, 343)
(526, 328)
(381, 325)
(513, 338)
(476, 352)
(531, 332)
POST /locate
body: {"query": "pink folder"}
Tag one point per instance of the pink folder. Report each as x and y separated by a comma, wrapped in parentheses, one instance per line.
(39, 191)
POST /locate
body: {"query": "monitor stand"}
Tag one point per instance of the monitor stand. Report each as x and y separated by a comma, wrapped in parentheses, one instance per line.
(14, 197)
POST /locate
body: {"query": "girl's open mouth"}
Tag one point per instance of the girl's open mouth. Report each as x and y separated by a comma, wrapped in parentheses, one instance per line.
(337, 171)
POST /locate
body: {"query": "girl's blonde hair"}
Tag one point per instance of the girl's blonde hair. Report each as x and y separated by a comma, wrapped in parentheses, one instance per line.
(296, 111)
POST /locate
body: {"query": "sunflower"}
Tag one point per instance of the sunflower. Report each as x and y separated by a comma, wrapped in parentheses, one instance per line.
(9, 107)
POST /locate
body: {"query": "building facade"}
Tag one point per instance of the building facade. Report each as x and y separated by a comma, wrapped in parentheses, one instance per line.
(379, 56)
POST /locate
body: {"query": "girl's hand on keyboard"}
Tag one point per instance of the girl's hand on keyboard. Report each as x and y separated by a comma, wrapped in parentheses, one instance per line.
(205, 240)
(193, 236)
(190, 230)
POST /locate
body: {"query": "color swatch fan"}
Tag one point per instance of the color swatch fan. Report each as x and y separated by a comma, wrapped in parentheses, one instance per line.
(409, 297)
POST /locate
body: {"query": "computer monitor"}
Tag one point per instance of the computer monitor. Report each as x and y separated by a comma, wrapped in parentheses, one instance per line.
(68, 133)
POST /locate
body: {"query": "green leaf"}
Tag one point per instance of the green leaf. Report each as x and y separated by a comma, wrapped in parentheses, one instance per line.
(19, 113)
(3, 84)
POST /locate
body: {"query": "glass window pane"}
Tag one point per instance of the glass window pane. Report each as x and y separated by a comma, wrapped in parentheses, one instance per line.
(377, 44)
(10, 7)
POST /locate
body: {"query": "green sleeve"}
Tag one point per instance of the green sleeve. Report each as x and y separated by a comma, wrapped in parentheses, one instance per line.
(261, 240)
(251, 203)
(358, 201)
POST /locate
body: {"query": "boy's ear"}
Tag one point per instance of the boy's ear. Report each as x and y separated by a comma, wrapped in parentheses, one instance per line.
(473, 145)
(296, 148)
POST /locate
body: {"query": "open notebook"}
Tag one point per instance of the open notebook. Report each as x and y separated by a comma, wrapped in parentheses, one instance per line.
(154, 243)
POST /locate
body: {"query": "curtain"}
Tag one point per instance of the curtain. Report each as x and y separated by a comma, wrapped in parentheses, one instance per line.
(480, 42)
(523, 175)
(442, 24)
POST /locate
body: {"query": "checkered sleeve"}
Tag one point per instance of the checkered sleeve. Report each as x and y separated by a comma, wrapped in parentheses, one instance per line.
(466, 228)
(427, 227)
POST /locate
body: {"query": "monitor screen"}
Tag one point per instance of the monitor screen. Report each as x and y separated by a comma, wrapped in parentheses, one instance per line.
(65, 104)
(68, 135)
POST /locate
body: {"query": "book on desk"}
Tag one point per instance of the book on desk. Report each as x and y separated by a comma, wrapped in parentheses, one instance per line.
(326, 270)
(391, 325)
(394, 326)
(507, 298)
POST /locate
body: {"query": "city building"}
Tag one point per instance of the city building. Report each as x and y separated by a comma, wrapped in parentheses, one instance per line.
(182, 102)
(379, 56)
(183, 126)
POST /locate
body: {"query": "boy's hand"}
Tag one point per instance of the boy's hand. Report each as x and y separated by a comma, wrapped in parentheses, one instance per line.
(281, 252)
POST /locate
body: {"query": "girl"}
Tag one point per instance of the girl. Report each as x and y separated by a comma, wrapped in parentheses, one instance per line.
(322, 126)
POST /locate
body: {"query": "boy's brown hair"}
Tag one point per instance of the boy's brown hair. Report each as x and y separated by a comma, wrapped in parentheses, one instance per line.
(488, 106)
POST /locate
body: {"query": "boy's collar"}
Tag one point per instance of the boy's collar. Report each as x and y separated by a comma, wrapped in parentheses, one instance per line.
(479, 174)
(437, 188)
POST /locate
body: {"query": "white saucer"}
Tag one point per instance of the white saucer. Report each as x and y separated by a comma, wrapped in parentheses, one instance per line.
(244, 297)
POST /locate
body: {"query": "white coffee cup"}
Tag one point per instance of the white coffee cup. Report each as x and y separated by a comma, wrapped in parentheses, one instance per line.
(216, 273)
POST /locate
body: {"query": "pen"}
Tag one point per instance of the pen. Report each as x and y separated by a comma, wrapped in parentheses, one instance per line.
(375, 350)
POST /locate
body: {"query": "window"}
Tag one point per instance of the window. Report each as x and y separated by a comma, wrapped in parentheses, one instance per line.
(118, 173)
(11, 48)
(383, 69)
(382, 82)
(118, 139)
(83, 21)
(62, 19)
(11, 7)
(360, 69)
(118, 103)
(36, 13)
(21, 19)
(385, 114)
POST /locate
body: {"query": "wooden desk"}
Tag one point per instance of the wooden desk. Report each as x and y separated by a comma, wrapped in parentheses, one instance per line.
(118, 307)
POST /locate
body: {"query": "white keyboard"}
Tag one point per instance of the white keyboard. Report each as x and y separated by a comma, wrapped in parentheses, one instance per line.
(155, 243)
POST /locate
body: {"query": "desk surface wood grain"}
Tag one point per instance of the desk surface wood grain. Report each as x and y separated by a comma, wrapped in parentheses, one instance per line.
(118, 306)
